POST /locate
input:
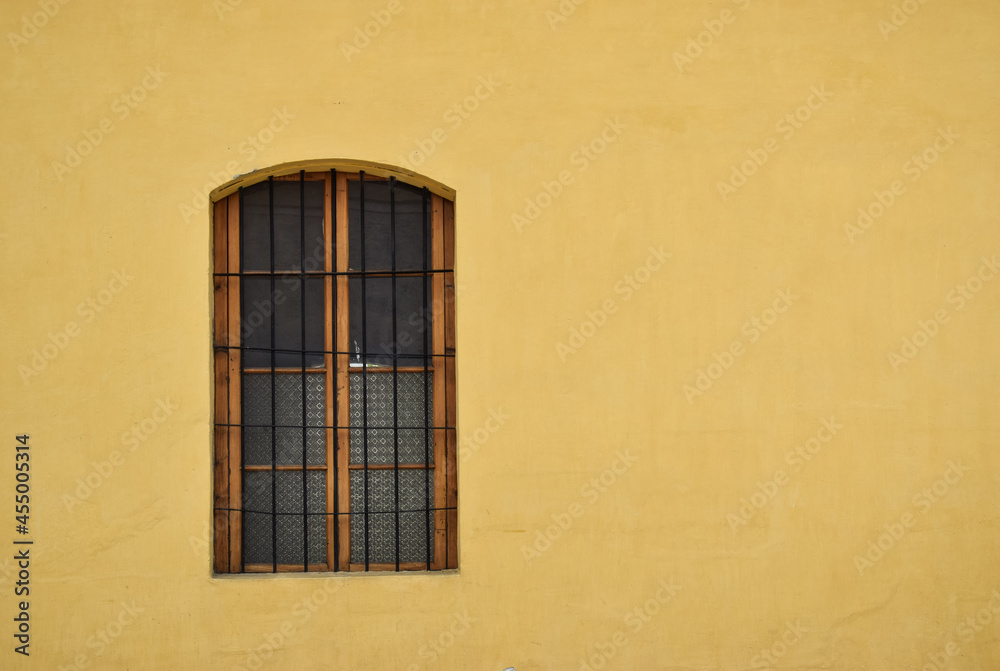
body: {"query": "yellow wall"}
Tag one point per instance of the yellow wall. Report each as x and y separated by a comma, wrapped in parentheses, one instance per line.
(678, 529)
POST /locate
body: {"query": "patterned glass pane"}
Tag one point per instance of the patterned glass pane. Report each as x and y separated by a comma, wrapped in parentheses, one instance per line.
(288, 413)
(416, 524)
(412, 389)
(258, 533)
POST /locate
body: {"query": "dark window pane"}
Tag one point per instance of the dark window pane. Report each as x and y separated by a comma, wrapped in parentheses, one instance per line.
(286, 304)
(287, 227)
(256, 238)
(410, 237)
(413, 322)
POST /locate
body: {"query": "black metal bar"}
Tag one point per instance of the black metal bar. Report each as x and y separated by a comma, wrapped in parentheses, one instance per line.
(312, 351)
(364, 360)
(274, 418)
(333, 392)
(427, 376)
(395, 361)
(305, 437)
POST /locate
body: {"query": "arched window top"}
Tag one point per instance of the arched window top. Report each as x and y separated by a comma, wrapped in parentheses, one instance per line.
(341, 165)
(335, 378)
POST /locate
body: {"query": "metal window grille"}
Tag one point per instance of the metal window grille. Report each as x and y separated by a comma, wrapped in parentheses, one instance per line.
(335, 377)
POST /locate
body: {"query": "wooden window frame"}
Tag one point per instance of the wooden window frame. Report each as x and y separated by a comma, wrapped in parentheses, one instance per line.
(228, 467)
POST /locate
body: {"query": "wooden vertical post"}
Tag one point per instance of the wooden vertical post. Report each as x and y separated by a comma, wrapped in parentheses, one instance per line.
(235, 382)
(220, 516)
(343, 370)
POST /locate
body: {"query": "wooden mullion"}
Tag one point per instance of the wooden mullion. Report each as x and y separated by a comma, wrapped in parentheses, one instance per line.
(342, 368)
(329, 364)
(295, 371)
(389, 467)
(439, 382)
(403, 566)
(266, 468)
(220, 516)
(285, 568)
(449, 235)
(235, 381)
(451, 435)
(389, 369)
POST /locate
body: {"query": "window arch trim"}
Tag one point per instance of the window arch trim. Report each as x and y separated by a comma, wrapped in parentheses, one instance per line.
(370, 168)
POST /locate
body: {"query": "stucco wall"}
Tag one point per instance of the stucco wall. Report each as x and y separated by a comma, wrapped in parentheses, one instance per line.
(684, 355)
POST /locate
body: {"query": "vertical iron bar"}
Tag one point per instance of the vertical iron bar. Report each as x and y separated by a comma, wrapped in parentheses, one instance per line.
(428, 362)
(305, 439)
(364, 356)
(333, 392)
(395, 358)
(274, 444)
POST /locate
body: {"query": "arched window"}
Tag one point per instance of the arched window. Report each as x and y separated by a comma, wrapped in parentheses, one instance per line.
(335, 446)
